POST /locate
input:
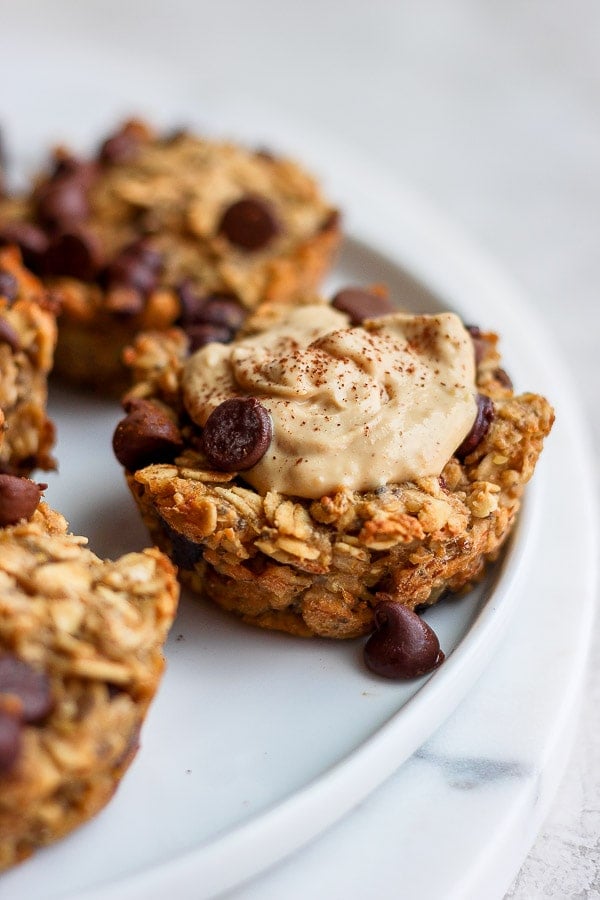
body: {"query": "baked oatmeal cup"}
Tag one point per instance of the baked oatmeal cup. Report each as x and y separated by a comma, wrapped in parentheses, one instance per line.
(330, 459)
(27, 342)
(80, 661)
(156, 230)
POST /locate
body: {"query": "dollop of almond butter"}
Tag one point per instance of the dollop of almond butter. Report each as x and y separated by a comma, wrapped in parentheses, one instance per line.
(359, 407)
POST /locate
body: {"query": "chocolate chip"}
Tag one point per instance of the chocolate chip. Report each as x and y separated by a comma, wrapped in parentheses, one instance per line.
(190, 302)
(31, 240)
(145, 251)
(137, 266)
(483, 420)
(19, 679)
(146, 435)
(74, 254)
(69, 166)
(219, 314)
(202, 334)
(219, 309)
(403, 645)
(209, 319)
(10, 741)
(123, 146)
(503, 378)
(184, 552)
(250, 223)
(479, 343)
(9, 286)
(19, 498)
(237, 434)
(223, 310)
(9, 336)
(62, 202)
(360, 304)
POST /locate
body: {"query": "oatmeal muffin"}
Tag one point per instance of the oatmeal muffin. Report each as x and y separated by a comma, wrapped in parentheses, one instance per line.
(331, 457)
(27, 341)
(156, 230)
(80, 661)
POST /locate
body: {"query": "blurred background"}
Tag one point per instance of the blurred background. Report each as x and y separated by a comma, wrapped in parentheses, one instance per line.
(491, 110)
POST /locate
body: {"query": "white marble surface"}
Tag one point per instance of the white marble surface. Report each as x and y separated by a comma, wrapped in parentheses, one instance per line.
(492, 110)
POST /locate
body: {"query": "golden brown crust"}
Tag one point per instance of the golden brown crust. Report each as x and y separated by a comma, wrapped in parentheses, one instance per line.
(96, 629)
(29, 321)
(314, 568)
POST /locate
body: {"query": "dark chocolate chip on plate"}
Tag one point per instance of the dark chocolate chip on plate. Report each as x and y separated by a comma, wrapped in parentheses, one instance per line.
(237, 434)
(403, 645)
(30, 686)
(250, 223)
(359, 304)
(146, 435)
(483, 420)
(19, 498)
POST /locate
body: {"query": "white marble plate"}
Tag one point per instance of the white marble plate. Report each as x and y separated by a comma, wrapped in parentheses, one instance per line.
(258, 741)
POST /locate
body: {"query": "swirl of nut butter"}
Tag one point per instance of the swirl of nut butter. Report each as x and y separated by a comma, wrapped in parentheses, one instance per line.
(358, 407)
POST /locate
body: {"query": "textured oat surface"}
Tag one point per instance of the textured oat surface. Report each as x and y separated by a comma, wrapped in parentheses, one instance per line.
(27, 341)
(174, 191)
(96, 629)
(315, 567)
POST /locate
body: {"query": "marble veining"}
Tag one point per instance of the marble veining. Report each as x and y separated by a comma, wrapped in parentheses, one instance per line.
(469, 772)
